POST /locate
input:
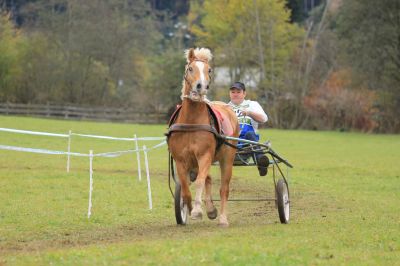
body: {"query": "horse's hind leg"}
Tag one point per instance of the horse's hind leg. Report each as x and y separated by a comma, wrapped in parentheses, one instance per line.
(226, 174)
(210, 208)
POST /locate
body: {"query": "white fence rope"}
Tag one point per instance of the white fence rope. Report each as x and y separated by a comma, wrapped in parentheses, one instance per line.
(100, 137)
(105, 154)
(76, 134)
(33, 132)
(116, 138)
(42, 151)
(91, 155)
(70, 134)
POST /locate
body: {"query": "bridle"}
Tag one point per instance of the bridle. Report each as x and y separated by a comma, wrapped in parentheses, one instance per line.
(189, 96)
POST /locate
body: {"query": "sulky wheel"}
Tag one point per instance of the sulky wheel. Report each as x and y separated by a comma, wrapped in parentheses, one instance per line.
(282, 197)
(181, 209)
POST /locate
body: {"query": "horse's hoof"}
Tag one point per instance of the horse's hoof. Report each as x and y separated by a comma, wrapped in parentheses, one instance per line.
(223, 225)
(212, 214)
(192, 176)
(197, 215)
(223, 221)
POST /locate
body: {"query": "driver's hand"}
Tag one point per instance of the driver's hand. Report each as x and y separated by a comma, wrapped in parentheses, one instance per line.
(245, 112)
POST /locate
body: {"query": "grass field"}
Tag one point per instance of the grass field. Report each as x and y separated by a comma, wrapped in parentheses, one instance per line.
(345, 203)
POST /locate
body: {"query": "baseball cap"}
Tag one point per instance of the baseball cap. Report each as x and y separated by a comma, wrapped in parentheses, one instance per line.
(238, 85)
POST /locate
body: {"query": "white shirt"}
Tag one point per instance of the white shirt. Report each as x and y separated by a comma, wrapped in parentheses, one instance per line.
(252, 106)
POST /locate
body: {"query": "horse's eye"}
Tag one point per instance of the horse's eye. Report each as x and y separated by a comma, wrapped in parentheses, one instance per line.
(190, 69)
(209, 70)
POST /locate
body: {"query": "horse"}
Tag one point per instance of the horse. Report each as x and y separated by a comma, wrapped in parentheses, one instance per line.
(193, 142)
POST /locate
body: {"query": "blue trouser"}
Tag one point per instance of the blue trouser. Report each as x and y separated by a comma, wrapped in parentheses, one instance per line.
(247, 132)
(250, 135)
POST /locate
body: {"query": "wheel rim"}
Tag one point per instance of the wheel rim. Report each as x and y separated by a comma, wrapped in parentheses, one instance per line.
(286, 206)
(184, 211)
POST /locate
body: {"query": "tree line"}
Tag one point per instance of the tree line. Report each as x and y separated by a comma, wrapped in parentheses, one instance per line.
(330, 64)
(91, 52)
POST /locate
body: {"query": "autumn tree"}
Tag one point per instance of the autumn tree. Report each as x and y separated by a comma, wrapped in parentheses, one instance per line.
(12, 49)
(94, 47)
(255, 39)
(370, 36)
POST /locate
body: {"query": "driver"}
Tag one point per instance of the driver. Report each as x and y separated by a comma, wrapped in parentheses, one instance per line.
(249, 114)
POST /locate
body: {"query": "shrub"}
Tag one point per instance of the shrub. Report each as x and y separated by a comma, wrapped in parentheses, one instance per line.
(335, 105)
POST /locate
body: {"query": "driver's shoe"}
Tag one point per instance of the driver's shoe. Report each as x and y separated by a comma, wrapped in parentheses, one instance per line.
(262, 164)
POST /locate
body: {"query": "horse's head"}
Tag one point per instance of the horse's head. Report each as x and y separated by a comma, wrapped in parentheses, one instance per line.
(197, 74)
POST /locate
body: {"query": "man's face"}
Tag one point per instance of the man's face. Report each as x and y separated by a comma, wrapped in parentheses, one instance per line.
(237, 96)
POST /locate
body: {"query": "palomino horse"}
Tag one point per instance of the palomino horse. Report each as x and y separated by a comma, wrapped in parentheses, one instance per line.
(193, 143)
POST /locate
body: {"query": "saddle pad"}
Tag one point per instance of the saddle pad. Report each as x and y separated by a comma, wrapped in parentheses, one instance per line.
(215, 114)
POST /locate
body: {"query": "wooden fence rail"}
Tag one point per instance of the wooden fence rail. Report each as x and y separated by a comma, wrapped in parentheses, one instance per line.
(83, 113)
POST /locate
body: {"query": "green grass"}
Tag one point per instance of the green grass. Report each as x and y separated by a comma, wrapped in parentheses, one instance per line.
(345, 203)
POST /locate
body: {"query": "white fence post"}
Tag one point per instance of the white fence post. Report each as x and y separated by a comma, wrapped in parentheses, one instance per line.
(148, 177)
(138, 159)
(69, 150)
(90, 182)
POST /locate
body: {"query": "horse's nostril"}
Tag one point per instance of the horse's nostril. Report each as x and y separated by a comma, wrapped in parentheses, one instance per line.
(198, 86)
(208, 87)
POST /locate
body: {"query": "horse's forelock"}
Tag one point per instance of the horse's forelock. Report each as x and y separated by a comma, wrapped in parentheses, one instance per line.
(203, 54)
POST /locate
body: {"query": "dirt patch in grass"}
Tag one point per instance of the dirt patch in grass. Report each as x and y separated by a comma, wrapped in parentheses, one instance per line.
(241, 214)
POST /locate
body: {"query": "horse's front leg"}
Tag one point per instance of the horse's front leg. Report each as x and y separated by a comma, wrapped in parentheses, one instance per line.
(204, 166)
(185, 191)
(226, 174)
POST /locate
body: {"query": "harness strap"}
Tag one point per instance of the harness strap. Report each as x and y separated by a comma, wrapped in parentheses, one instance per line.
(200, 127)
(192, 127)
(214, 127)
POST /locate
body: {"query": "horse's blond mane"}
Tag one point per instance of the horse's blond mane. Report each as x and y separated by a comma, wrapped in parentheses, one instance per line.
(200, 53)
